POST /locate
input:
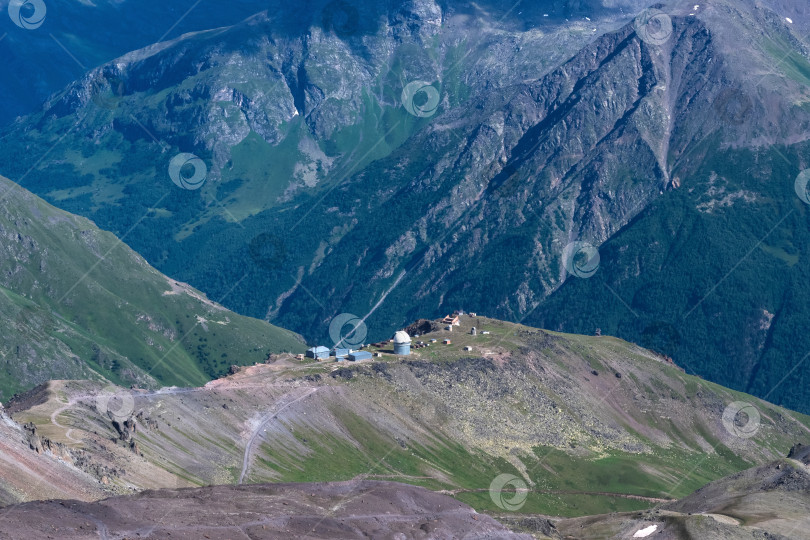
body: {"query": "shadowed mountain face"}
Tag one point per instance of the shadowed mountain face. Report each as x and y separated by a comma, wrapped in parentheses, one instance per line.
(402, 161)
(76, 36)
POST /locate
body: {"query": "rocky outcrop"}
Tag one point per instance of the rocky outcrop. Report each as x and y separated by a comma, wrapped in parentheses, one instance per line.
(34, 441)
(422, 326)
(126, 428)
(78, 457)
(800, 452)
(532, 524)
(147, 420)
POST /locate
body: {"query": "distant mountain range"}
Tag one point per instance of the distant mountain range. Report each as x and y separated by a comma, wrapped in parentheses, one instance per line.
(398, 161)
(75, 36)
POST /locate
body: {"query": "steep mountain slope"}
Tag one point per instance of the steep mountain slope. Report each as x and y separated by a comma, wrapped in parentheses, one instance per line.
(590, 425)
(29, 475)
(279, 118)
(728, 279)
(78, 303)
(711, 273)
(75, 36)
(334, 186)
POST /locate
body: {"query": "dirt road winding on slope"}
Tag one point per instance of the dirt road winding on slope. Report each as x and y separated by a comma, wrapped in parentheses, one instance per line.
(260, 429)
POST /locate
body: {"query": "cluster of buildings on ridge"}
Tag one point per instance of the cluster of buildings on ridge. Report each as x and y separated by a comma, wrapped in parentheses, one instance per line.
(401, 341)
(402, 347)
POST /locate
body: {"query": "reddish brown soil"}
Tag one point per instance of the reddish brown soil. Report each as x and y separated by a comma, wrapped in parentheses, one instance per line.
(356, 509)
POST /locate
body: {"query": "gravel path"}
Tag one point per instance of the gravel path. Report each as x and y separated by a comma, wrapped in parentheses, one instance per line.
(259, 429)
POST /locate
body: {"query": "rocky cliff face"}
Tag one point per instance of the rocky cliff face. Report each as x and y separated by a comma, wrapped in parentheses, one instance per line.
(212, 89)
(282, 115)
(34, 467)
(477, 209)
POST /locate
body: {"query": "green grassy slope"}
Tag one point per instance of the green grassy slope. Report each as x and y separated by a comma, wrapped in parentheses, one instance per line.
(77, 302)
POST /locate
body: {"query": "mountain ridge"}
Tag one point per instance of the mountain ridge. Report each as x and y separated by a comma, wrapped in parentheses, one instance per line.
(561, 412)
(78, 303)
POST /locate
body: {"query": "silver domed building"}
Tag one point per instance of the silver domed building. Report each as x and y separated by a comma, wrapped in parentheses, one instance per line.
(402, 343)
